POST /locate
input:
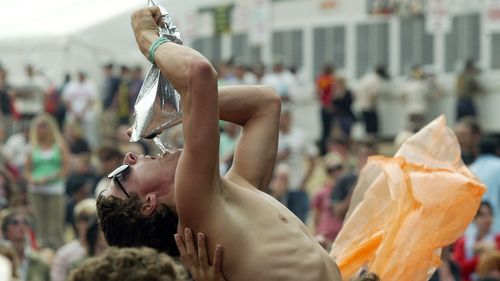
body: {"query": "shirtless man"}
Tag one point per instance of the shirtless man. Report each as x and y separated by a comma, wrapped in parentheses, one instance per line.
(262, 239)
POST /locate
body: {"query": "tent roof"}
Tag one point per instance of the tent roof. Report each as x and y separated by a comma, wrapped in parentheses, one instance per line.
(54, 18)
(61, 36)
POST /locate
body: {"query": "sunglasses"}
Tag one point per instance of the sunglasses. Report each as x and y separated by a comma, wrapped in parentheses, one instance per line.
(118, 173)
(18, 222)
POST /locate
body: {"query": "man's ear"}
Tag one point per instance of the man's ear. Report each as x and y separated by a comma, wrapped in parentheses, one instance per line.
(149, 206)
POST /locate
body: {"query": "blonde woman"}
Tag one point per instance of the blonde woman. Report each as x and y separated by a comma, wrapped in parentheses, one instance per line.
(46, 170)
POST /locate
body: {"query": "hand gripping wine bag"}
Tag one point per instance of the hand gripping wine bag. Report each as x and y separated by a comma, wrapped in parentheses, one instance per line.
(158, 105)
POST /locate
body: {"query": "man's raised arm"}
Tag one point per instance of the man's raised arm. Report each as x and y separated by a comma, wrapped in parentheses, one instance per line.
(257, 109)
(195, 79)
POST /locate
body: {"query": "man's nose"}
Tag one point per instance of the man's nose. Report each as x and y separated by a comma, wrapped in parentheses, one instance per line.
(130, 158)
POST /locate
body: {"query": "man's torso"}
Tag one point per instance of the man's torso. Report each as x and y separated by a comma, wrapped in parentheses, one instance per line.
(262, 240)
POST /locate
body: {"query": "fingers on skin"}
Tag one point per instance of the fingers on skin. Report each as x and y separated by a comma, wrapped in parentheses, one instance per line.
(196, 259)
(216, 266)
(202, 250)
(217, 258)
(180, 245)
(190, 247)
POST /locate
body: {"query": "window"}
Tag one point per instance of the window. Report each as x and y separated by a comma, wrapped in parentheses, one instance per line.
(243, 51)
(495, 45)
(210, 47)
(329, 47)
(462, 43)
(372, 47)
(417, 46)
(288, 46)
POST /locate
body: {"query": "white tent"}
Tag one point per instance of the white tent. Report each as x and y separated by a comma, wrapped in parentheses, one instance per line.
(60, 36)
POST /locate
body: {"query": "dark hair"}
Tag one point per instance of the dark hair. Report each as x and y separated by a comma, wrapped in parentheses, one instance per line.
(76, 183)
(328, 68)
(484, 204)
(9, 218)
(368, 276)
(124, 225)
(91, 238)
(470, 64)
(124, 69)
(471, 123)
(381, 70)
(128, 264)
(108, 152)
(487, 145)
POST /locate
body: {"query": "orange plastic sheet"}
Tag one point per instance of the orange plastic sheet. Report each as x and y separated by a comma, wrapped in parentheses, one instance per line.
(406, 208)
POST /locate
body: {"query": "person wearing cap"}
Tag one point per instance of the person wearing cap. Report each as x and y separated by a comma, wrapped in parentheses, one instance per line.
(151, 199)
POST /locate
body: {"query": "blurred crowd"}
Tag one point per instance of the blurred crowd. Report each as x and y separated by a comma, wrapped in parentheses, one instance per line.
(58, 143)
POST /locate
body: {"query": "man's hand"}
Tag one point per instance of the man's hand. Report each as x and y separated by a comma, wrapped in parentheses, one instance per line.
(197, 262)
(145, 25)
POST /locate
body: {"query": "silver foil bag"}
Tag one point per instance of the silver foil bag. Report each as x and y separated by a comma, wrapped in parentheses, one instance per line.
(158, 105)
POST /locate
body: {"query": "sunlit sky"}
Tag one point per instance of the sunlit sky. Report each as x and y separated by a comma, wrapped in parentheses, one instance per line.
(56, 17)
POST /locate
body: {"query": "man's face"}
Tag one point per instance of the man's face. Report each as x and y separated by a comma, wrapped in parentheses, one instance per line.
(108, 71)
(42, 127)
(146, 175)
(484, 219)
(83, 220)
(464, 135)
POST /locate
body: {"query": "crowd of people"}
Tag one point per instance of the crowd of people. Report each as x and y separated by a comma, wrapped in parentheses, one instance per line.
(57, 149)
(476, 255)
(59, 143)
